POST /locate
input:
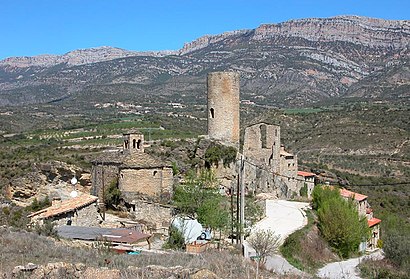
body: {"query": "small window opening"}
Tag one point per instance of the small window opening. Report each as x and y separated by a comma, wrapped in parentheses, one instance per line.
(134, 143)
(212, 111)
(155, 173)
(263, 135)
(126, 144)
(139, 144)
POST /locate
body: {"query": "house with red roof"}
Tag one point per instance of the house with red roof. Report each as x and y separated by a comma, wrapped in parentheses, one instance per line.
(78, 211)
(308, 179)
(365, 210)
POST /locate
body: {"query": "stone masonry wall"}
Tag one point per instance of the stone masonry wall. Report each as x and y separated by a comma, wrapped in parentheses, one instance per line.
(155, 216)
(262, 145)
(155, 183)
(223, 107)
(87, 216)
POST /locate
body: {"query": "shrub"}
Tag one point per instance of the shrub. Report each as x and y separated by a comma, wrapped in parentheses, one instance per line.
(175, 240)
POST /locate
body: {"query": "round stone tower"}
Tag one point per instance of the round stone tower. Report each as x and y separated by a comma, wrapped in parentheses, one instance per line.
(223, 107)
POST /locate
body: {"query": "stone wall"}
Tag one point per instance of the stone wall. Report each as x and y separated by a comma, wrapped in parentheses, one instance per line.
(155, 183)
(157, 217)
(223, 107)
(262, 145)
(86, 216)
(268, 168)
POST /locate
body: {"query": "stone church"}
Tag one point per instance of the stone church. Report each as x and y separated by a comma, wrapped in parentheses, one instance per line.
(145, 182)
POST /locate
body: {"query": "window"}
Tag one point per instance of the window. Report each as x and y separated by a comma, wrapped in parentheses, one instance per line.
(154, 173)
(126, 144)
(134, 143)
(139, 144)
(212, 111)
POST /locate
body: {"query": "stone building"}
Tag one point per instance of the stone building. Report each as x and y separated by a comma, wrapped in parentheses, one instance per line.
(141, 178)
(268, 167)
(307, 179)
(79, 211)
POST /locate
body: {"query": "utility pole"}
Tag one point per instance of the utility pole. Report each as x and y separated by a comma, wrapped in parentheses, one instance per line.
(242, 199)
(238, 230)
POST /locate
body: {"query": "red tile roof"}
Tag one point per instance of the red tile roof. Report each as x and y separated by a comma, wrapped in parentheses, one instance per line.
(305, 173)
(349, 194)
(372, 222)
(65, 206)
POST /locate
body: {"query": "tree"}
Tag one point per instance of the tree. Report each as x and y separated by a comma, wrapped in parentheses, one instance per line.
(112, 194)
(264, 242)
(339, 221)
(199, 198)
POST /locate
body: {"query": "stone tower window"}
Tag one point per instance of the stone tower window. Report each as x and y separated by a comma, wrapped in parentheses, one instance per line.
(126, 144)
(155, 173)
(263, 135)
(139, 144)
(212, 111)
(134, 141)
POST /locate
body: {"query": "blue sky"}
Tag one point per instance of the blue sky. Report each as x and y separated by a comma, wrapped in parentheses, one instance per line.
(33, 27)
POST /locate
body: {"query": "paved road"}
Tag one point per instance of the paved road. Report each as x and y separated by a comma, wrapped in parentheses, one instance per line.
(282, 217)
(346, 269)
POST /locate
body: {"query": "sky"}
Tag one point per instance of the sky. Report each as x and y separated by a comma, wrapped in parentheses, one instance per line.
(34, 27)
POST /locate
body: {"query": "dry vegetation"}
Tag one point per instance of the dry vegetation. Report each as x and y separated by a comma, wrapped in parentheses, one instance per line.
(22, 247)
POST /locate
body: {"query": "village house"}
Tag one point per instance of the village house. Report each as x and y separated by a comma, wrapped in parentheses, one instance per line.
(307, 179)
(365, 210)
(78, 211)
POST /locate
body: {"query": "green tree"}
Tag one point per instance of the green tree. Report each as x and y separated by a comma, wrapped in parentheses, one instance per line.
(339, 221)
(199, 198)
(112, 194)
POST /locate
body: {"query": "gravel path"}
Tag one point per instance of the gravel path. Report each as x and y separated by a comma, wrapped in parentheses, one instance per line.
(282, 217)
(346, 269)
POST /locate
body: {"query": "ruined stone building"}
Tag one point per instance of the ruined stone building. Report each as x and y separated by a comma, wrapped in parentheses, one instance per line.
(267, 166)
(145, 182)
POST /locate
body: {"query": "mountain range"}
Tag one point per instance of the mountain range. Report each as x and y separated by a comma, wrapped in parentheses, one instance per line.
(294, 63)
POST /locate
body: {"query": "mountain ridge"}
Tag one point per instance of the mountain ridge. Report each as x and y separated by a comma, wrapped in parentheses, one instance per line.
(296, 62)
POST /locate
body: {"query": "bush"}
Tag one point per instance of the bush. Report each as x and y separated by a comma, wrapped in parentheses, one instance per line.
(175, 240)
(46, 229)
(396, 248)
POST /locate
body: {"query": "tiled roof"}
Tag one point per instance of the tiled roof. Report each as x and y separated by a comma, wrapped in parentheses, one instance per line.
(65, 206)
(349, 194)
(286, 154)
(373, 221)
(137, 160)
(143, 160)
(305, 173)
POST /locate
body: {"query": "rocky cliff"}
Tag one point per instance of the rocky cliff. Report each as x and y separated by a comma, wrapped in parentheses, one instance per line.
(293, 63)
